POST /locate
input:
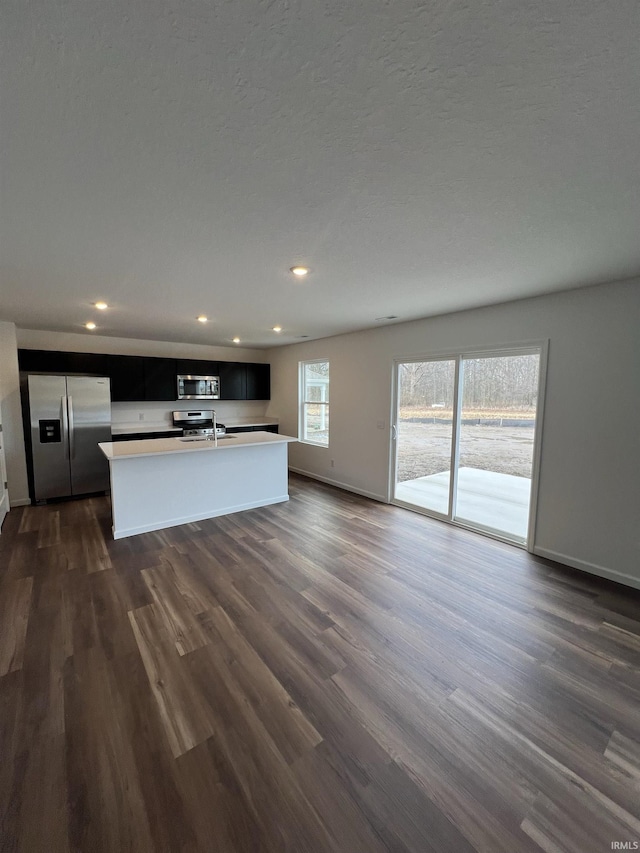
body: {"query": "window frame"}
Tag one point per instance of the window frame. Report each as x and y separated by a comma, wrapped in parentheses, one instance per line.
(304, 402)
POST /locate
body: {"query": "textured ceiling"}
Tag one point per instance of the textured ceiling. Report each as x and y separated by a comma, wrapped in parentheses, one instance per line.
(176, 157)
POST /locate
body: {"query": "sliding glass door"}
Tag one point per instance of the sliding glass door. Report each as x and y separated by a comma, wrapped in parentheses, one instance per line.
(465, 433)
(426, 394)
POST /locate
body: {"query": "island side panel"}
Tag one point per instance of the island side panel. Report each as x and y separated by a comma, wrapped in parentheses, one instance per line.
(157, 491)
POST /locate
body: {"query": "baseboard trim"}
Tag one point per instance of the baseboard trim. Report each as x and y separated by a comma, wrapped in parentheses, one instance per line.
(339, 485)
(19, 502)
(590, 568)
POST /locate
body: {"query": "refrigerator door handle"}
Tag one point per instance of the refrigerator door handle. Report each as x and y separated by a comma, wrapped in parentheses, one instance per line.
(65, 426)
(72, 434)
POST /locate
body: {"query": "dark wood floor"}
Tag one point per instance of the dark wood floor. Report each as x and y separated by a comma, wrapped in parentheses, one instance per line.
(329, 674)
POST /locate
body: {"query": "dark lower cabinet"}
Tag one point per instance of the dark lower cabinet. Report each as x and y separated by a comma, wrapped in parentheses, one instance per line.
(137, 436)
(263, 428)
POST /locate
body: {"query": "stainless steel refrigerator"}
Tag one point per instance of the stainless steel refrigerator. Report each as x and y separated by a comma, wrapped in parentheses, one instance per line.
(69, 415)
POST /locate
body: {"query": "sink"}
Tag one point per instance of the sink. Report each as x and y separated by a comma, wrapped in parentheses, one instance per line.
(222, 437)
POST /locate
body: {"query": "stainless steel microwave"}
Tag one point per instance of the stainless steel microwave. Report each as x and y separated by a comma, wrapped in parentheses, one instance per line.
(198, 388)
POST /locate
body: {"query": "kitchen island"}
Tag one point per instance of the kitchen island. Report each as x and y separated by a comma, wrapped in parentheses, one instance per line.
(163, 482)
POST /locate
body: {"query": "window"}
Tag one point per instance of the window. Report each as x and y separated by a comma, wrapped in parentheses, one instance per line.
(314, 402)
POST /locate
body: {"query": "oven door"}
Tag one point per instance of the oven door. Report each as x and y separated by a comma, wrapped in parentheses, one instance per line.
(198, 388)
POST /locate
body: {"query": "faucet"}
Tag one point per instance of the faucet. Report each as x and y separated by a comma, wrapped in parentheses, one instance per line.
(215, 429)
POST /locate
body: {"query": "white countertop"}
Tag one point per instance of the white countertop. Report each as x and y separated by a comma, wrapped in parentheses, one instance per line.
(145, 426)
(238, 422)
(142, 427)
(163, 446)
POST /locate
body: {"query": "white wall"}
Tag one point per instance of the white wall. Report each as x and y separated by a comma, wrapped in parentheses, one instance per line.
(589, 491)
(75, 342)
(12, 416)
(159, 414)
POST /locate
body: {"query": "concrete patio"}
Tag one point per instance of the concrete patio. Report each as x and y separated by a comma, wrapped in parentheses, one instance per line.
(497, 501)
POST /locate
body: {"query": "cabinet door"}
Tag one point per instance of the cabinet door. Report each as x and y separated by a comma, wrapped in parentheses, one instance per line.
(50, 361)
(43, 361)
(29, 359)
(92, 363)
(195, 367)
(233, 380)
(258, 381)
(143, 436)
(264, 428)
(160, 379)
(127, 378)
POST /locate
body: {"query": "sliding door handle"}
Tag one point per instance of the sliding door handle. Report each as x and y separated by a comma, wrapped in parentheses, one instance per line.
(394, 432)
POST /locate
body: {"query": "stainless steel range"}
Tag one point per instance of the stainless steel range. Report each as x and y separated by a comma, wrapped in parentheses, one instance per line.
(198, 422)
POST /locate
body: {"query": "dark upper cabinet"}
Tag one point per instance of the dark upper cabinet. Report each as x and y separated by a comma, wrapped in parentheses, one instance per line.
(33, 359)
(160, 379)
(233, 380)
(258, 381)
(127, 378)
(139, 378)
(47, 361)
(238, 380)
(194, 367)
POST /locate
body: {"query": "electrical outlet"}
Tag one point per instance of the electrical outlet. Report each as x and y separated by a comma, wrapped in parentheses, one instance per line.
(380, 424)
(333, 463)
(141, 416)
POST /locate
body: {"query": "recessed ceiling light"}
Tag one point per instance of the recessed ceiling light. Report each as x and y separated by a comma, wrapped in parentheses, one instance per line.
(277, 328)
(100, 305)
(236, 340)
(390, 317)
(202, 319)
(90, 325)
(300, 271)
